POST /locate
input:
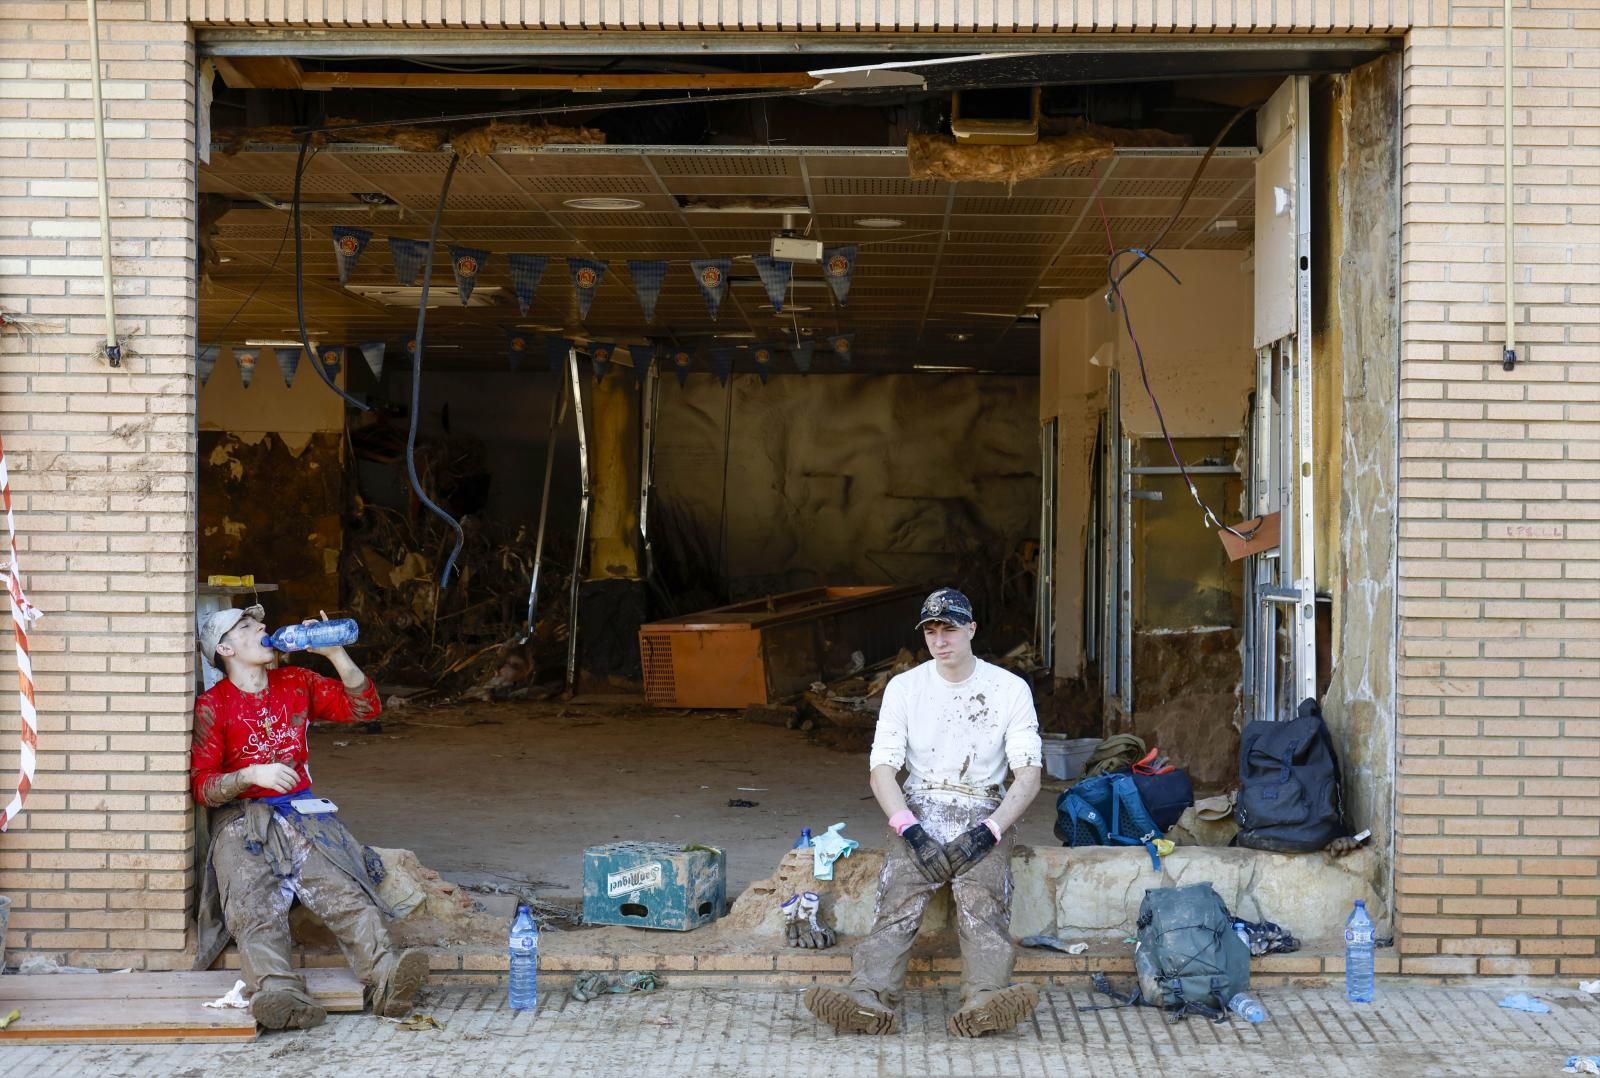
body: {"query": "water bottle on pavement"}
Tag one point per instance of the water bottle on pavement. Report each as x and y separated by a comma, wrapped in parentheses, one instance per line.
(1358, 946)
(1248, 1007)
(319, 634)
(524, 954)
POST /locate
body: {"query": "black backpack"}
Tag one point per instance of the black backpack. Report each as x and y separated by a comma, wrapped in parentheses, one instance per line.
(1290, 796)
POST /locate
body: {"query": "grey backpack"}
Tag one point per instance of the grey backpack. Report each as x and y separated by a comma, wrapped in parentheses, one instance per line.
(1188, 957)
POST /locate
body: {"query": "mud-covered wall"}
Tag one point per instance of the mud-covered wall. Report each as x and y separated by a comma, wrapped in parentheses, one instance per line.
(846, 478)
(271, 483)
(273, 511)
(1356, 351)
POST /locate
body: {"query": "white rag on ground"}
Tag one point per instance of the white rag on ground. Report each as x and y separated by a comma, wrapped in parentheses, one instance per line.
(234, 999)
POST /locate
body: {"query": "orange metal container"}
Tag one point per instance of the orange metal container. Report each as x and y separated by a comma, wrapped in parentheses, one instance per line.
(764, 650)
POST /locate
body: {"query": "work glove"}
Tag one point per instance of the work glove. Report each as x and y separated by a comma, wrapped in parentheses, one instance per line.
(968, 848)
(927, 854)
(813, 933)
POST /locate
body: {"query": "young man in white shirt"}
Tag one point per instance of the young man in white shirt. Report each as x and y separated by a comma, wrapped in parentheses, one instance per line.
(956, 724)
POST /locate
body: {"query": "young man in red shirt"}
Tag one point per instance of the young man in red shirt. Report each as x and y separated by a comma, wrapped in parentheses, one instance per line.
(272, 840)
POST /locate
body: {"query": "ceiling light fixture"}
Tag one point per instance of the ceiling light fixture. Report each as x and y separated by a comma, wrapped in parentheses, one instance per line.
(879, 222)
(263, 343)
(602, 203)
(790, 308)
(960, 337)
(939, 369)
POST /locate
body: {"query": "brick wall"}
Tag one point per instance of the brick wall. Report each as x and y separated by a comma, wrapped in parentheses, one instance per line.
(1499, 811)
(102, 471)
(1499, 794)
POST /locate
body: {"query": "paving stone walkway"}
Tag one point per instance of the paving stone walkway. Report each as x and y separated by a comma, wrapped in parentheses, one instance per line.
(1413, 1030)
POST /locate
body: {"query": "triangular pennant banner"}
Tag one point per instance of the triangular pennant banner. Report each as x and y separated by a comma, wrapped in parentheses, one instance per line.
(838, 266)
(711, 274)
(247, 366)
(517, 345)
(587, 273)
(526, 273)
(644, 357)
(762, 354)
(348, 243)
(555, 352)
(843, 345)
(802, 351)
(775, 275)
(647, 280)
(407, 256)
(332, 357)
(722, 362)
(288, 362)
(372, 352)
(468, 263)
(682, 360)
(205, 361)
(600, 353)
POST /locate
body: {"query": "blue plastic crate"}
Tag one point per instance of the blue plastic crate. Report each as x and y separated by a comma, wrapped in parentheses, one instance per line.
(653, 885)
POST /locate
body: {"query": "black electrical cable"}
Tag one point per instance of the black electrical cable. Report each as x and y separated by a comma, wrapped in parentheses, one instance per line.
(416, 382)
(1115, 279)
(300, 280)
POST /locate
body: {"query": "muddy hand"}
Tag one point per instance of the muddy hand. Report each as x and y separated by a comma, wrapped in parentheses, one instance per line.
(930, 857)
(326, 653)
(968, 848)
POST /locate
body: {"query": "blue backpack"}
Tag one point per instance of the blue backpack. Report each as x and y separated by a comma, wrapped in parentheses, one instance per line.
(1106, 810)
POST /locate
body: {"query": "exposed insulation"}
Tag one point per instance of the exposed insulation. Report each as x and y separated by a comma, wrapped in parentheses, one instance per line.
(937, 157)
(232, 140)
(503, 136)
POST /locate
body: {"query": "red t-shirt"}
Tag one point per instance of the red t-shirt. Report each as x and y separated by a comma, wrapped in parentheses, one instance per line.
(233, 729)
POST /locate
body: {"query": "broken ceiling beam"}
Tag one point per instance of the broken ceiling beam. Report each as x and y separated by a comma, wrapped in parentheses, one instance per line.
(259, 72)
(452, 80)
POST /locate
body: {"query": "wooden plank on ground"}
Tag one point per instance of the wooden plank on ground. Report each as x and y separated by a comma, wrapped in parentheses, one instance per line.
(116, 1008)
(124, 1021)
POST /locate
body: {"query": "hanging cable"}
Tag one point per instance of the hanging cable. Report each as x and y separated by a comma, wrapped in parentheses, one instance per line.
(300, 279)
(1115, 300)
(416, 382)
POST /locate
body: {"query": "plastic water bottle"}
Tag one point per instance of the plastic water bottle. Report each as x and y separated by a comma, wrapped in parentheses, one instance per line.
(1358, 971)
(804, 842)
(1248, 1007)
(524, 952)
(1242, 932)
(319, 634)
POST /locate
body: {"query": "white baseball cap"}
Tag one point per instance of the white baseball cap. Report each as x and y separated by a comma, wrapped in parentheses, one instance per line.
(220, 623)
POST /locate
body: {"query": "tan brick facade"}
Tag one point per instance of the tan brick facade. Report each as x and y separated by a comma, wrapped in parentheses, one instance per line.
(1499, 560)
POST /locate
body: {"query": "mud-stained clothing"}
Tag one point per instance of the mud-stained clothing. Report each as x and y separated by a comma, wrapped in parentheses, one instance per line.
(982, 908)
(957, 738)
(234, 729)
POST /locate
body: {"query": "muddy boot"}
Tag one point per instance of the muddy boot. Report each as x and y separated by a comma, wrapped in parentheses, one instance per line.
(396, 994)
(851, 1011)
(284, 1008)
(995, 1011)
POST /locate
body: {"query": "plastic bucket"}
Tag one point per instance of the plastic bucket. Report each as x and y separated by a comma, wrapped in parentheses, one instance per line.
(5, 913)
(1064, 757)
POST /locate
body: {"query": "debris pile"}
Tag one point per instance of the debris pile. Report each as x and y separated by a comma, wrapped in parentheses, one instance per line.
(853, 703)
(466, 639)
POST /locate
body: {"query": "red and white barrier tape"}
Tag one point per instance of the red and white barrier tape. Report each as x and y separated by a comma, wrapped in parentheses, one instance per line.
(23, 613)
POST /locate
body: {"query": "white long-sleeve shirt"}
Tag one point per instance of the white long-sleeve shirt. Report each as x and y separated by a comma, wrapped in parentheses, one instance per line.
(957, 738)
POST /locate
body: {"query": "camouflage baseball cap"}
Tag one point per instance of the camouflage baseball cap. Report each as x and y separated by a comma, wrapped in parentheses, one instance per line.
(946, 605)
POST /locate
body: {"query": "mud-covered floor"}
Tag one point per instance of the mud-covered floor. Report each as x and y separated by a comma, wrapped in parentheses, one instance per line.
(514, 792)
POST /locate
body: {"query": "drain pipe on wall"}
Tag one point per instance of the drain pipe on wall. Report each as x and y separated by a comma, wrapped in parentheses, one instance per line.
(1509, 359)
(111, 349)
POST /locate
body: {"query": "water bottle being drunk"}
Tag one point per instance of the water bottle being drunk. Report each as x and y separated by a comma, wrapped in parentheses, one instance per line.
(317, 634)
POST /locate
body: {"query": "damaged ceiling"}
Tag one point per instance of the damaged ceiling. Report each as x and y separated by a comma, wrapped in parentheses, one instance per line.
(955, 279)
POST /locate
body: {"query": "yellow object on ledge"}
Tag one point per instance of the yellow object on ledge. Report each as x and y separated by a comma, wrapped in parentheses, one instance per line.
(218, 580)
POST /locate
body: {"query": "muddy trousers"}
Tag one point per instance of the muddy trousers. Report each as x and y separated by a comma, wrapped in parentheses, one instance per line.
(255, 907)
(982, 910)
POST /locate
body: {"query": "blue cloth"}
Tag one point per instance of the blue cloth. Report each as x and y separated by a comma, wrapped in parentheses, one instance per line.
(827, 848)
(281, 802)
